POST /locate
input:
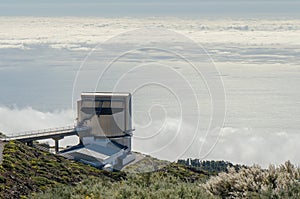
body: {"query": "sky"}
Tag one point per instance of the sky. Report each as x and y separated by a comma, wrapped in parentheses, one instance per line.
(142, 8)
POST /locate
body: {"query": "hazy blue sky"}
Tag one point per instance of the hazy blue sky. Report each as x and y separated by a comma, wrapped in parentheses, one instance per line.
(138, 8)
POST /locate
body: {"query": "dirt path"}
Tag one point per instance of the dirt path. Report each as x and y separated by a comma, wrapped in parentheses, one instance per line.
(138, 157)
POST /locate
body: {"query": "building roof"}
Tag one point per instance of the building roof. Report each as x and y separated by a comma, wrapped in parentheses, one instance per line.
(106, 94)
(92, 152)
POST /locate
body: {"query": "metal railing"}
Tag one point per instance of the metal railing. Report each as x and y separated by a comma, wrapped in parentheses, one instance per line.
(41, 132)
(42, 148)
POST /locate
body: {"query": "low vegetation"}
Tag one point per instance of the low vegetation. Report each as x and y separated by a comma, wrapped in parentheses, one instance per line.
(148, 185)
(25, 170)
(212, 167)
(2, 135)
(29, 173)
(254, 182)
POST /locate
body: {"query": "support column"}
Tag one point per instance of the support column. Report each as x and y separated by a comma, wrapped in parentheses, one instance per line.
(56, 139)
(30, 143)
(56, 145)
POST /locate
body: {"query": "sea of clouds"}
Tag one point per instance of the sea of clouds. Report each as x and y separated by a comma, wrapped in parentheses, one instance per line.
(258, 59)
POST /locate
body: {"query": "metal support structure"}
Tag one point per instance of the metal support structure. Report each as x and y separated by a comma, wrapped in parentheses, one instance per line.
(30, 143)
(56, 145)
(56, 139)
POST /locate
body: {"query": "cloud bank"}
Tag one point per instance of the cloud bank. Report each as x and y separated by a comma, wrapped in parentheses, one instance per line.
(247, 146)
(260, 95)
(17, 120)
(72, 32)
(239, 145)
(238, 40)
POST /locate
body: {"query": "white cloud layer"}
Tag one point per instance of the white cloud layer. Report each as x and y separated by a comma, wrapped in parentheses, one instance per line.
(78, 33)
(239, 145)
(19, 120)
(252, 41)
(247, 146)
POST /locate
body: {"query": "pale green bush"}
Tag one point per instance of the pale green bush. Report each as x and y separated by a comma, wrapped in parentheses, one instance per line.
(280, 182)
(147, 186)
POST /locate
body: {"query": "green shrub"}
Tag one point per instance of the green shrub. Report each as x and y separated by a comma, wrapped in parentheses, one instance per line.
(148, 186)
(2, 179)
(41, 181)
(251, 182)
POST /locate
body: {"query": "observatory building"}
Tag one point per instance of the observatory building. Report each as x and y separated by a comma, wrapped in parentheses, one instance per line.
(104, 126)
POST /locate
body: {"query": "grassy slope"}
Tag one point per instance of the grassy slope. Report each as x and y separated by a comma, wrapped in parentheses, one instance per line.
(148, 186)
(172, 181)
(26, 170)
